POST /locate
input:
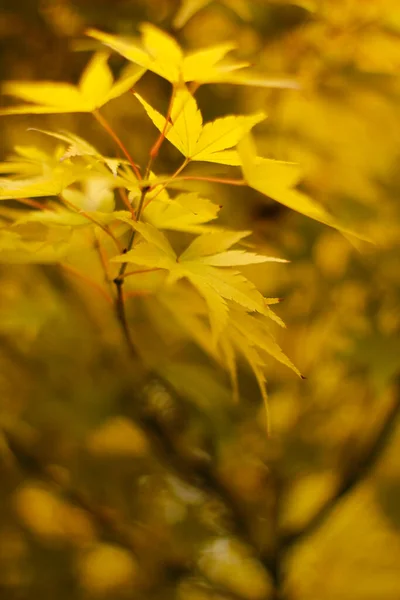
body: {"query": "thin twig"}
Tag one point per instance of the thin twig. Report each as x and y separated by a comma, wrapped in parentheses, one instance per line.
(106, 229)
(32, 203)
(158, 143)
(104, 517)
(165, 184)
(103, 260)
(121, 314)
(211, 179)
(125, 200)
(107, 127)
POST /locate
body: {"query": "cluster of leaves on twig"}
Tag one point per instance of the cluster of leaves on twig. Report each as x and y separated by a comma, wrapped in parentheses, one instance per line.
(69, 198)
(206, 506)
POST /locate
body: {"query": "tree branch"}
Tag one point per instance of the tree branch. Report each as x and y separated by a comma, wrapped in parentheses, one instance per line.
(360, 471)
(119, 281)
(107, 519)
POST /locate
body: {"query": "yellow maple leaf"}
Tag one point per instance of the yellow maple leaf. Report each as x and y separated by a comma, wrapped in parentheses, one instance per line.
(276, 179)
(96, 87)
(159, 52)
(211, 142)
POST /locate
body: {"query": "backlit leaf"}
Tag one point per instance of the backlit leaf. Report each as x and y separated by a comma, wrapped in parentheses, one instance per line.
(186, 212)
(96, 80)
(95, 89)
(35, 187)
(208, 143)
(212, 243)
(276, 179)
(237, 257)
(157, 51)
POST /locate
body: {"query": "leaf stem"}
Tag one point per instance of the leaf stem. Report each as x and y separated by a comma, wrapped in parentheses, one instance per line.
(158, 143)
(32, 203)
(237, 182)
(125, 200)
(165, 184)
(104, 123)
(103, 260)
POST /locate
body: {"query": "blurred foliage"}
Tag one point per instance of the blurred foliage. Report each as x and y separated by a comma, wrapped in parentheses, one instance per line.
(115, 484)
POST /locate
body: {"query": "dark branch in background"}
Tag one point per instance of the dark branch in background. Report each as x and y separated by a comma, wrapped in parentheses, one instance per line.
(107, 520)
(199, 474)
(360, 471)
(202, 475)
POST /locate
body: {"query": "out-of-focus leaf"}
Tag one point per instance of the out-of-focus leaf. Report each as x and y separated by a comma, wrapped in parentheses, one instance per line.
(95, 89)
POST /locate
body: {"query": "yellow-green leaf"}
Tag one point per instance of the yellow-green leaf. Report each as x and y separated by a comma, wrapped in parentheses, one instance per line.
(185, 118)
(212, 243)
(186, 212)
(224, 133)
(146, 254)
(95, 89)
(129, 76)
(187, 9)
(276, 179)
(154, 236)
(96, 80)
(256, 331)
(157, 51)
(208, 143)
(36, 186)
(233, 258)
(49, 96)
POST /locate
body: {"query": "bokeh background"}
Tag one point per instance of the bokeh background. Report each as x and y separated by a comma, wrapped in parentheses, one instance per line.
(117, 484)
